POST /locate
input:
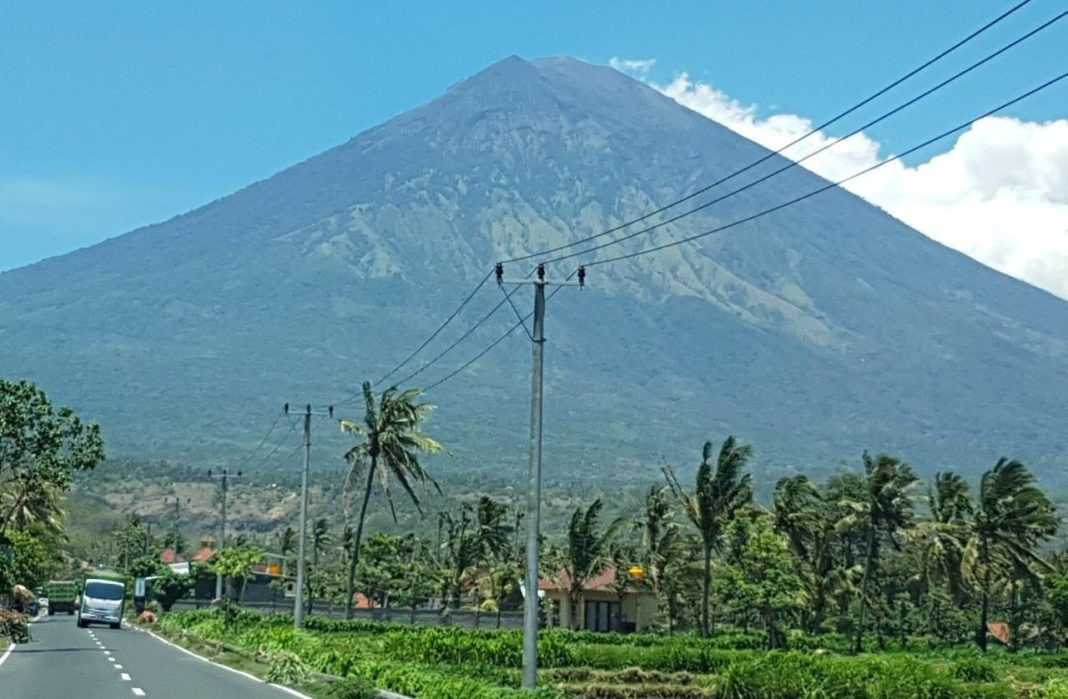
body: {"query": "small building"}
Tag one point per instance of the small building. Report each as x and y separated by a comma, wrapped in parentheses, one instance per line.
(600, 606)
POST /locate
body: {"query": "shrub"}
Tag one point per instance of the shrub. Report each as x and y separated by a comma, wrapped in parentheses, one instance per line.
(350, 688)
(286, 668)
(974, 670)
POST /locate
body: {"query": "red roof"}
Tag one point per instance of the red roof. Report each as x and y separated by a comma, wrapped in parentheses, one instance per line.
(168, 556)
(598, 583)
(204, 553)
(999, 631)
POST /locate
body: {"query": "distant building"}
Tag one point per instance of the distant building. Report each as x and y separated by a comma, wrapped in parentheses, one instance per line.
(600, 607)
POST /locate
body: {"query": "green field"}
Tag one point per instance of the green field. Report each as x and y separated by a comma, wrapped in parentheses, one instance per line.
(452, 663)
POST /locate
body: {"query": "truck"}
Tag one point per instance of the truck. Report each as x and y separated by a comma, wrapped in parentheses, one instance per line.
(103, 599)
(62, 596)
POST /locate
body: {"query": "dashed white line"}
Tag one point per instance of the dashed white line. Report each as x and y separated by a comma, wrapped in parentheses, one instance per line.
(117, 666)
(138, 691)
(125, 677)
(6, 653)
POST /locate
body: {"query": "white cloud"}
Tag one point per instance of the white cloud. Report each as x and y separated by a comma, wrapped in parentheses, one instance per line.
(638, 67)
(999, 195)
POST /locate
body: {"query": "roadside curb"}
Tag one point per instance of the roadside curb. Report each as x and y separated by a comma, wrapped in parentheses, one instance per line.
(380, 693)
(246, 675)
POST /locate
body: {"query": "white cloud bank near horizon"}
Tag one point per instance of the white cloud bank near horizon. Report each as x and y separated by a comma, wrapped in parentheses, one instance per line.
(998, 195)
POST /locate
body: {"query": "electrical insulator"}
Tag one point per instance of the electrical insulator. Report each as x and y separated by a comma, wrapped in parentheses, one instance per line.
(582, 276)
(499, 270)
(541, 273)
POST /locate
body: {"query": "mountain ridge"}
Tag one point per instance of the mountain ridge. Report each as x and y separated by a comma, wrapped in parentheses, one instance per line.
(328, 272)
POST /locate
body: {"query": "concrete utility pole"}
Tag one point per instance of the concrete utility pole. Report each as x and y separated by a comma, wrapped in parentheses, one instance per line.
(224, 478)
(531, 601)
(298, 600)
(177, 518)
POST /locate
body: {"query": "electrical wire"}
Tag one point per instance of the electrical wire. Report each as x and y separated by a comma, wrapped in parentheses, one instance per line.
(463, 337)
(795, 163)
(522, 320)
(923, 66)
(263, 440)
(434, 334)
(831, 185)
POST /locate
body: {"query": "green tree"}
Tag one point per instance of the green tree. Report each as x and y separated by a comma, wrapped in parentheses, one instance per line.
(884, 511)
(41, 448)
(170, 587)
(235, 565)
(940, 538)
(25, 560)
(1011, 518)
(320, 542)
(587, 552)
(389, 448)
(761, 575)
(721, 490)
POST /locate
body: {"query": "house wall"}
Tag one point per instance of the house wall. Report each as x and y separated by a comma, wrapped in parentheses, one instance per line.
(637, 607)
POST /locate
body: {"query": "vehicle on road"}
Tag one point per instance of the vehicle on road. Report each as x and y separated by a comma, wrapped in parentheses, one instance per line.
(103, 599)
(62, 596)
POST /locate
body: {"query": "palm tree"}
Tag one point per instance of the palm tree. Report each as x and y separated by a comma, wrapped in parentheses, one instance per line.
(1011, 518)
(940, 539)
(587, 553)
(660, 535)
(719, 494)
(389, 450)
(886, 509)
(321, 539)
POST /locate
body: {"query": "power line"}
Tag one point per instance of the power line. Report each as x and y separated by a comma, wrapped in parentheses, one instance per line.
(690, 196)
(770, 155)
(434, 334)
(493, 344)
(451, 347)
(263, 441)
(795, 163)
(831, 185)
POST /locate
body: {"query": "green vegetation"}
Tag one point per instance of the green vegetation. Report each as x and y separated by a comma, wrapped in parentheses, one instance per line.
(450, 663)
(41, 449)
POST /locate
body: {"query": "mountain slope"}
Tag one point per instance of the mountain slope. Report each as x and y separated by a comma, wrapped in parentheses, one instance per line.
(816, 332)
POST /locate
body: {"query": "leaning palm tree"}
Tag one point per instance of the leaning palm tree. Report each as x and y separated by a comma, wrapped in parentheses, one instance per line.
(1011, 519)
(588, 552)
(940, 539)
(719, 494)
(885, 510)
(660, 535)
(388, 451)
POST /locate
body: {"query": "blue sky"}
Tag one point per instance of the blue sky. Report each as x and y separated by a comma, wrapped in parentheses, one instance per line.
(121, 114)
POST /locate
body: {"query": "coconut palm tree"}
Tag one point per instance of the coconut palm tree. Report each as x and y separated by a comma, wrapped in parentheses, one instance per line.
(587, 553)
(1011, 518)
(320, 541)
(388, 450)
(722, 489)
(940, 539)
(884, 511)
(660, 535)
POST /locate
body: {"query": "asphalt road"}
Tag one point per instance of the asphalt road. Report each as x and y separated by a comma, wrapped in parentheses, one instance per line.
(101, 663)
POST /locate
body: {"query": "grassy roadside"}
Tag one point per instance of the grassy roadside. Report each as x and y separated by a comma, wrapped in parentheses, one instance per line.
(316, 686)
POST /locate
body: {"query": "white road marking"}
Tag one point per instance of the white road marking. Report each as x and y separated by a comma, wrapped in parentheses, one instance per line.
(224, 667)
(117, 666)
(138, 691)
(125, 677)
(6, 653)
